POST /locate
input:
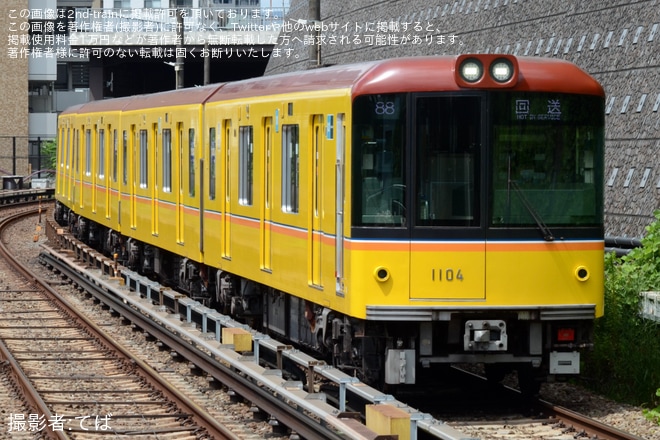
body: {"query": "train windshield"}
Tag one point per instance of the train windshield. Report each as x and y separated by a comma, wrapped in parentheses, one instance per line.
(418, 158)
(447, 133)
(547, 160)
(379, 136)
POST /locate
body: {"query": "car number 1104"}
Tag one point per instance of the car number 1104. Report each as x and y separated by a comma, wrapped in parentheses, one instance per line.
(446, 275)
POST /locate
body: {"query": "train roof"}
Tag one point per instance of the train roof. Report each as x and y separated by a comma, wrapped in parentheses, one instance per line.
(411, 74)
(421, 74)
(325, 78)
(195, 95)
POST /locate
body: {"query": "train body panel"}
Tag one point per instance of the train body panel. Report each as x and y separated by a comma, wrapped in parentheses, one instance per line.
(514, 278)
(510, 271)
(412, 211)
(274, 235)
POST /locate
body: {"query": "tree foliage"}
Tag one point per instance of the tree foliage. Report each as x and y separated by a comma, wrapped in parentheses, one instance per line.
(49, 154)
(624, 363)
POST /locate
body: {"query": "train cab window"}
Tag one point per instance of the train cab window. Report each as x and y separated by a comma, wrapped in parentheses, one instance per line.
(379, 189)
(546, 153)
(166, 140)
(290, 168)
(245, 164)
(448, 144)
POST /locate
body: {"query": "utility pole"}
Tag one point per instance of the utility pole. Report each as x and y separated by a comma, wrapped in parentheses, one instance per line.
(207, 59)
(180, 58)
(207, 64)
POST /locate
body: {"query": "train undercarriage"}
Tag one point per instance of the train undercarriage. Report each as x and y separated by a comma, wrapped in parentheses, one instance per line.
(391, 353)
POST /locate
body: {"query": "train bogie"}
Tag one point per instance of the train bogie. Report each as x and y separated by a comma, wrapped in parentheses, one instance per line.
(393, 216)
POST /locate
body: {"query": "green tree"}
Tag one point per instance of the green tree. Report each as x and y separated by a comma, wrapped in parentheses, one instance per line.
(624, 362)
(49, 155)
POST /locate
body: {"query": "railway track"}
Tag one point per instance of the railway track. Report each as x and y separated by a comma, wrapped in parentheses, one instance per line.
(493, 411)
(70, 380)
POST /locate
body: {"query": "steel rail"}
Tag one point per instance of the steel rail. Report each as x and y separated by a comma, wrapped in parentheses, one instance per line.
(593, 428)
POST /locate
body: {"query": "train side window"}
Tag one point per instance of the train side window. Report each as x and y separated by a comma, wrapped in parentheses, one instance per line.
(124, 155)
(67, 165)
(144, 157)
(101, 152)
(76, 151)
(115, 155)
(379, 165)
(290, 168)
(88, 152)
(245, 164)
(167, 159)
(191, 162)
(212, 163)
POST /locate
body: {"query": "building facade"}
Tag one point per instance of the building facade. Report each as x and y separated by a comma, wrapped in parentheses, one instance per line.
(13, 89)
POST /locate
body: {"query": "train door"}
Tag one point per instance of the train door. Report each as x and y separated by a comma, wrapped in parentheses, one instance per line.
(101, 180)
(68, 166)
(339, 202)
(75, 157)
(86, 164)
(90, 170)
(98, 172)
(447, 237)
(225, 243)
(63, 139)
(316, 231)
(124, 174)
(106, 174)
(113, 193)
(154, 187)
(131, 177)
(266, 208)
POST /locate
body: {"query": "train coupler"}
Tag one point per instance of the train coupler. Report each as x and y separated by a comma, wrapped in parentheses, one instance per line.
(485, 335)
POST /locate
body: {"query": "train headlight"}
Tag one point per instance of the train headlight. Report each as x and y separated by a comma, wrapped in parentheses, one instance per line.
(501, 70)
(471, 70)
(486, 71)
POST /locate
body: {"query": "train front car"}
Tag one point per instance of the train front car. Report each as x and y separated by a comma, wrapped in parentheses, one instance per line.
(476, 215)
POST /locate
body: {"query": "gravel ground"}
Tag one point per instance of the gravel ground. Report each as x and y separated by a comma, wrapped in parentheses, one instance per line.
(625, 417)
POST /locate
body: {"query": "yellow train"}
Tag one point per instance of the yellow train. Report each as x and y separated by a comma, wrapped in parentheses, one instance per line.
(395, 215)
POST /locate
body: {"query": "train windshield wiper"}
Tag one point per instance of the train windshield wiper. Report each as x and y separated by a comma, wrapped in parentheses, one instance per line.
(545, 231)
